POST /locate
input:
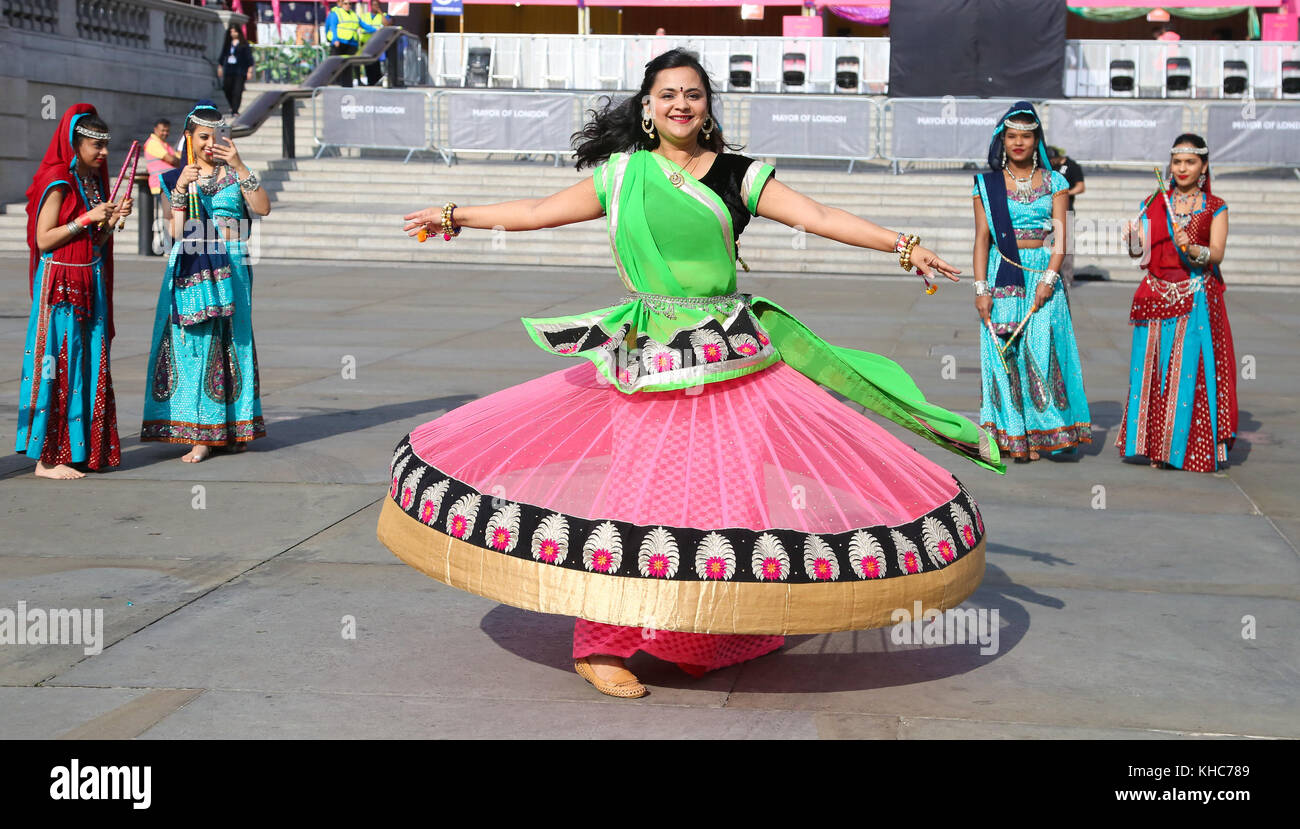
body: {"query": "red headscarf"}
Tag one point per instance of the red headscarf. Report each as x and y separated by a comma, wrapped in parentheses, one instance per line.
(68, 284)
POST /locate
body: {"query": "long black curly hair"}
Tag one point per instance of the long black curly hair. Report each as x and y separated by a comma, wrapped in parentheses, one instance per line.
(616, 126)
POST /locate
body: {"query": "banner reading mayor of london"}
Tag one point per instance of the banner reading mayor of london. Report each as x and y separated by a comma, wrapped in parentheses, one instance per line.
(821, 128)
(948, 128)
(1115, 132)
(1251, 133)
(486, 121)
(361, 117)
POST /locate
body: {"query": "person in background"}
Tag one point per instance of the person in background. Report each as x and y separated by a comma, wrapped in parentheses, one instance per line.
(341, 29)
(371, 21)
(1165, 31)
(236, 67)
(159, 155)
(1068, 167)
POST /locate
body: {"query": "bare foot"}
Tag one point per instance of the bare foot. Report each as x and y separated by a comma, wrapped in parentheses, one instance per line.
(236, 448)
(62, 472)
(196, 454)
(1033, 456)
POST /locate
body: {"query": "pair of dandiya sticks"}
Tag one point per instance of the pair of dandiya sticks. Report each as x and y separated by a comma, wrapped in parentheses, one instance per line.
(131, 161)
(1164, 193)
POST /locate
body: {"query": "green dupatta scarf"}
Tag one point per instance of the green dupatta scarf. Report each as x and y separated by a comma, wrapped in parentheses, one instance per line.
(683, 323)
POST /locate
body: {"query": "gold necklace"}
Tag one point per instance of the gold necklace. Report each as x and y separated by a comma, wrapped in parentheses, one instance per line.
(676, 178)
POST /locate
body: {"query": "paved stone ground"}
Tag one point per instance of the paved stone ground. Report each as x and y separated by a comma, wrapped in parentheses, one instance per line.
(226, 622)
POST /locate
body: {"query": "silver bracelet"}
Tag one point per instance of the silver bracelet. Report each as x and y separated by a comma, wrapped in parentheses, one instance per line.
(73, 228)
(251, 183)
(1050, 277)
(1202, 258)
(178, 196)
(982, 287)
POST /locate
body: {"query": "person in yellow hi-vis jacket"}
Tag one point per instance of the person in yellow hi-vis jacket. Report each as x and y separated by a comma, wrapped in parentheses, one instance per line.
(370, 21)
(341, 31)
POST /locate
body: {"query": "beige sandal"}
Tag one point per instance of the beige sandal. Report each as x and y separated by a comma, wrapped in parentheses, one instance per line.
(624, 685)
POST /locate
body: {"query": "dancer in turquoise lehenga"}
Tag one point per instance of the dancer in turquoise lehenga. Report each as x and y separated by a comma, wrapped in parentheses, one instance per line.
(1032, 392)
(203, 386)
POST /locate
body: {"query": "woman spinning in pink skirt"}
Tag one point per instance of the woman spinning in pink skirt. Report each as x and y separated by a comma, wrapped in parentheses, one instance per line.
(688, 490)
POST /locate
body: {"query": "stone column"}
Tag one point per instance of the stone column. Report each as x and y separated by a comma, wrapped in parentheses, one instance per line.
(67, 21)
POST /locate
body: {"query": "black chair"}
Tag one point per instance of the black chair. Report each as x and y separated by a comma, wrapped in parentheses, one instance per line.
(1123, 78)
(1291, 79)
(1236, 77)
(794, 68)
(846, 73)
(742, 72)
(477, 62)
(1178, 77)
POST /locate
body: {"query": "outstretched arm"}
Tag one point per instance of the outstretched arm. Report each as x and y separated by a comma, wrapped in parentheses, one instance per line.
(790, 207)
(573, 204)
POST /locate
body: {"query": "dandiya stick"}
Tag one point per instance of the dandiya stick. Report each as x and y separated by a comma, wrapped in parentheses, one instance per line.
(1001, 356)
(1169, 207)
(1016, 333)
(132, 161)
(193, 189)
(131, 156)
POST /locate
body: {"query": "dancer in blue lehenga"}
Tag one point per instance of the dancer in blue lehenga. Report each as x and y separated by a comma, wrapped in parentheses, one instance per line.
(203, 386)
(1032, 393)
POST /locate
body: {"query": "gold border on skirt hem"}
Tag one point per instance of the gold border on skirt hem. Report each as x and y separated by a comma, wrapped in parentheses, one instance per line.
(688, 606)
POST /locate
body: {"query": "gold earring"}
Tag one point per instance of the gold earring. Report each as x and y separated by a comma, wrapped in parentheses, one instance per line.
(647, 126)
(708, 131)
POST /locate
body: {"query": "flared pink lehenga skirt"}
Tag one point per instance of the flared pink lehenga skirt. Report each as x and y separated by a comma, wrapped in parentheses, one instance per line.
(751, 507)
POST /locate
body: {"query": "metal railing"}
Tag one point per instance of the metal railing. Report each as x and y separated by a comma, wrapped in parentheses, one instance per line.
(1089, 65)
(769, 64)
(838, 65)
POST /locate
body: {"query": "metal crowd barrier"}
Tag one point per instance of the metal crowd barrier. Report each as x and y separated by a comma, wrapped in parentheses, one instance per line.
(613, 62)
(1213, 69)
(734, 115)
(849, 128)
(1103, 132)
(392, 96)
(1147, 69)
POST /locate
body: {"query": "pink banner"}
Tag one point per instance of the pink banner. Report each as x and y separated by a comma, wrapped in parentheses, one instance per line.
(799, 26)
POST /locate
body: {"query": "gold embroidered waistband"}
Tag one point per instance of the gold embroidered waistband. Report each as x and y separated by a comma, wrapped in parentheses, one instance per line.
(663, 304)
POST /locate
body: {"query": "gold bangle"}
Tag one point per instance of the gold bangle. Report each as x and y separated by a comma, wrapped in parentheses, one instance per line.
(905, 258)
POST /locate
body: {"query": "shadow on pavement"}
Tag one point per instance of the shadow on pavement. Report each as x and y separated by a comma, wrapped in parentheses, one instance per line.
(319, 425)
(871, 661)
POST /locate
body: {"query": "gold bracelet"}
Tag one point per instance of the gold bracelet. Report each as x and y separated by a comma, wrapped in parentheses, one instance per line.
(449, 229)
(905, 258)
